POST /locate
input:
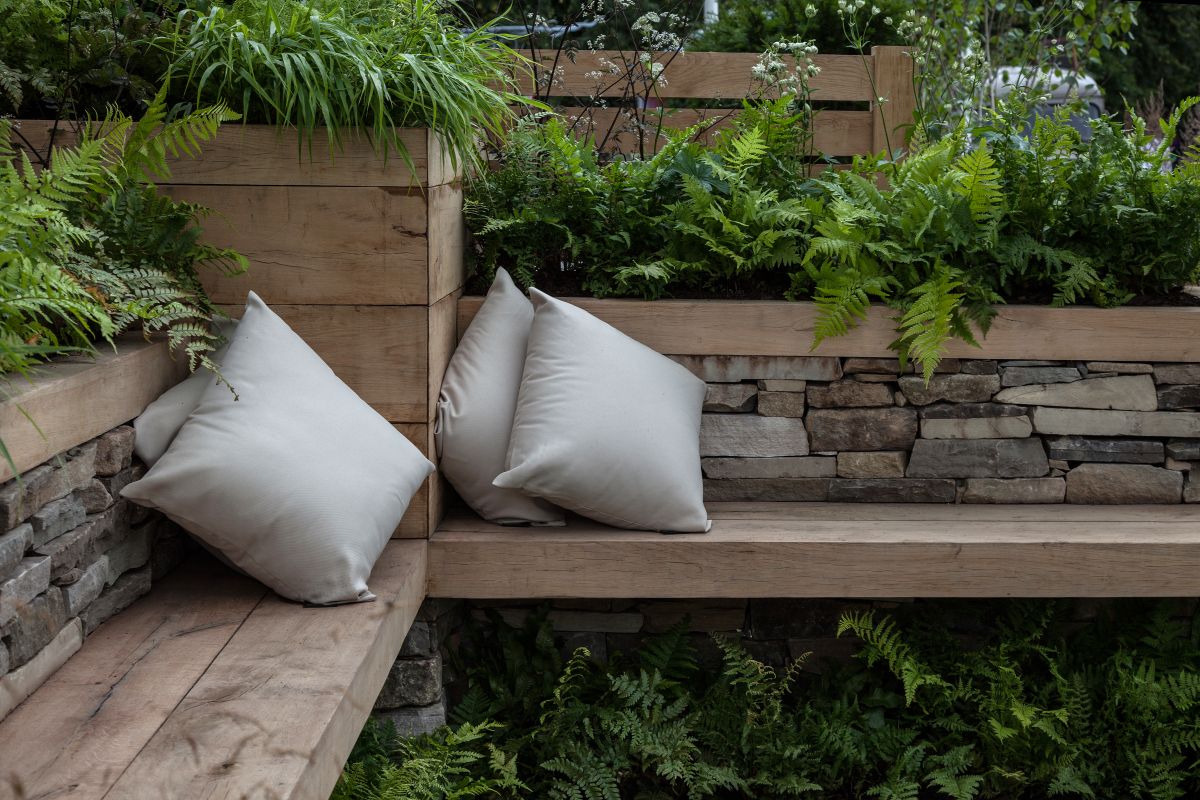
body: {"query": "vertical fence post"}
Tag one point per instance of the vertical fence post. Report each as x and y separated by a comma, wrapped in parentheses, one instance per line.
(892, 70)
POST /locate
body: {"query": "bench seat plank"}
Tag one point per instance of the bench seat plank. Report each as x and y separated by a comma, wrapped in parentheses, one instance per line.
(277, 712)
(834, 550)
(78, 732)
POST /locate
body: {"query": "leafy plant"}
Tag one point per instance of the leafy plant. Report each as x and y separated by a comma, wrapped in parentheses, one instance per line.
(1032, 705)
(365, 65)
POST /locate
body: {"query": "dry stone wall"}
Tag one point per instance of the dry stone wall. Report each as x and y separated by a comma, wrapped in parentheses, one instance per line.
(980, 431)
(72, 555)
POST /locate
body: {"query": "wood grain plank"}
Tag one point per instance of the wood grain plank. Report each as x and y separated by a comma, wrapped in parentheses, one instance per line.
(691, 75)
(447, 240)
(835, 133)
(77, 734)
(442, 339)
(418, 519)
(327, 245)
(893, 118)
(276, 713)
(778, 328)
(379, 351)
(73, 400)
(953, 556)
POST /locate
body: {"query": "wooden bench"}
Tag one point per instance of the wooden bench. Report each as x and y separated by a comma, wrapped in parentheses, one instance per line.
(211, 686)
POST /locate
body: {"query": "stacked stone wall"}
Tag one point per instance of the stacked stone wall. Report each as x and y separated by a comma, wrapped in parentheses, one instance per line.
(72, 555)
(980, 431)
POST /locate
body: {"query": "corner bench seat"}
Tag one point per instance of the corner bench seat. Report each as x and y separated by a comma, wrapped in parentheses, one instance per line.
(833, 550)
(211, 686)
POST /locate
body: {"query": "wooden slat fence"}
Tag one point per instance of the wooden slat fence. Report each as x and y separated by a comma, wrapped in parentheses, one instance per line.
(697, 87)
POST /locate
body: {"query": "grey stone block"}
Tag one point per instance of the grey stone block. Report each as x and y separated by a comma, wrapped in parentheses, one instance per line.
(977, 366)
(849, 394)
(781, 404)
(1184, 449)
(891, 366)
(5, 662)
(114, 451)
(1024, 376)
(1119, 367)
(131, 552)
(13, 546)
(787, 490)
(1123, 484)
(862, 428)
(115, 483)
(751, 435)
(977, 428)
(1015, 490)
(95, 497)
(1191, 491)
(891, 490)
(872, 464)
(1177, 373)
(730, 397)
(30, 579)
(412, 682)
(1185, 396)
(1124, 451)
(782, 467)
(731, 369)
(35, 626)
(416, 721)
(1124, 392)
(91, 583)
(782, 385)
(958, 388)
(978, 458)
(420, 641)
(56, 518)
(116, 598)
(1086, 422)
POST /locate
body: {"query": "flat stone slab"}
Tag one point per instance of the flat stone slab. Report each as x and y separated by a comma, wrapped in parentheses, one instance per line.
(836, 429)
(872, 464)
(1107, 484)
(978, 428)
(1120, 367)
(978, 458)
(1124, 392)
(958, 388)
(1177, 373)
(1015, 490)
(12, 548)
(1191, 491)
(1179, 396)
(730, 397)
(1122, 451)
(972, 411)
(1088, 422)
(849, 394)
(781, 404)
(30, 579)
(782, 490)
(753, 436)
(1024, 375)
(891, 490)
(783, 467)
(977, 366)
(783, 385)
(731, 369)
(1184, 449)
(891, 366)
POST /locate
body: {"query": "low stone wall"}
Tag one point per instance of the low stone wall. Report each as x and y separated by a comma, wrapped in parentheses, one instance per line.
(860, 430)
(73, 554)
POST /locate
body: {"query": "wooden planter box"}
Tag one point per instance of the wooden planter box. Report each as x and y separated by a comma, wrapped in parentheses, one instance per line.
(361, 254)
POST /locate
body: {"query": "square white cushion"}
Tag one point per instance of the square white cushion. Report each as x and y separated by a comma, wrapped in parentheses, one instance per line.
(297, 482)
(605, 426)
(157, 426)
(476, 407)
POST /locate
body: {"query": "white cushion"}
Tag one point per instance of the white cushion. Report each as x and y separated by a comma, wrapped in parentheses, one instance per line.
(476, 407)
(157, 426)
(298, 482)
(605, 426)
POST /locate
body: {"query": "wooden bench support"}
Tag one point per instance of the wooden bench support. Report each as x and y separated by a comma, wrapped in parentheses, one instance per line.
(213, 687)
(834, 550)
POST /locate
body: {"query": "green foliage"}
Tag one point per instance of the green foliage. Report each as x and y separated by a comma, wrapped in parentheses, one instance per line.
(366, 65)
(1031, 705)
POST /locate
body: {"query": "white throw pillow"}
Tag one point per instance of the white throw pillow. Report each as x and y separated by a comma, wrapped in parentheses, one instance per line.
(157, 426)
(605, 426)
(298, 481)
(476, 407)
